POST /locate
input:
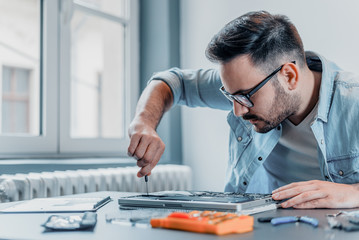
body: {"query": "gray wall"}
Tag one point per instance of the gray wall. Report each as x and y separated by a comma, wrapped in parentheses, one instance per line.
(159, 50)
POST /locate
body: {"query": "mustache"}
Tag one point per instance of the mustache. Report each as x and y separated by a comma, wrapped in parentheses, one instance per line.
(254, 117)
(251, 117)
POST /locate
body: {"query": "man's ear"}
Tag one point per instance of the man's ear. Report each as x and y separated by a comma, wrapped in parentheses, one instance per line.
(290, 73)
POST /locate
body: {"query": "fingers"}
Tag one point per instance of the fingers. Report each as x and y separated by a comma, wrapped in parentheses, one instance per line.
(318, 194)
(150, 159)
(147, 148)
(296, 184)
(315, 194)
(140, 174)
(316, 203)
(301, 195)
(310, 199)
(144, 146)
(293, 190)
(152, 155)
(143, 143)
(134, 141)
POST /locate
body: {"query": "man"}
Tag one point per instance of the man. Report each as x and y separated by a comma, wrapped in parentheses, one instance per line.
(294, 129)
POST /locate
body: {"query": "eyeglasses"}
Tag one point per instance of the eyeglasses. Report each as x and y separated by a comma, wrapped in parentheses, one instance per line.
(243, 99)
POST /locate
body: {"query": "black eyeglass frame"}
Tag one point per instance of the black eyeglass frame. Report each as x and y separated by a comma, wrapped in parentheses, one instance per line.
(243, 99)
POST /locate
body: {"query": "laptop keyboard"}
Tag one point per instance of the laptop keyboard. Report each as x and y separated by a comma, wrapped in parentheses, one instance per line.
(206, 196)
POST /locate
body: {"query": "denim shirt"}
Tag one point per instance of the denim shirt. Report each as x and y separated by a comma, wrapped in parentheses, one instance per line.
(336, 126)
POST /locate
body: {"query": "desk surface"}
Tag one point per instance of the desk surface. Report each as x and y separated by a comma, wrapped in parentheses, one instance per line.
(28, 226)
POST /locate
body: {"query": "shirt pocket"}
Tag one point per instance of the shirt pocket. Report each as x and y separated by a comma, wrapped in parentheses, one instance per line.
(344, 169)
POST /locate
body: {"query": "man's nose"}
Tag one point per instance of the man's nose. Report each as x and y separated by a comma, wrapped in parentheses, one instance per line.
(239, 110)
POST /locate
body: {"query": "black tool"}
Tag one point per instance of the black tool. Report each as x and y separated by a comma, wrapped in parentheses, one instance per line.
(146, 180)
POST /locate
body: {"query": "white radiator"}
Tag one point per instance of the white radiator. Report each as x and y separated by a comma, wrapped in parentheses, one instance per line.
(50, 184)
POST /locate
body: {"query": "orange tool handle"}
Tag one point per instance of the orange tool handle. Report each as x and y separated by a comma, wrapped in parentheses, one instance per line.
(183, 221)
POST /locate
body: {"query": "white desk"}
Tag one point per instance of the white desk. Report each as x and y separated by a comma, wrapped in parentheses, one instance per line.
(28, 226)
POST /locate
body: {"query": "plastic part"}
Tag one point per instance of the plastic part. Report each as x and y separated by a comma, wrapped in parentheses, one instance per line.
(219, 223)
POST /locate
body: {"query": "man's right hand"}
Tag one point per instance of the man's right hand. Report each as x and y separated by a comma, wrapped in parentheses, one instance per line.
(145, 146)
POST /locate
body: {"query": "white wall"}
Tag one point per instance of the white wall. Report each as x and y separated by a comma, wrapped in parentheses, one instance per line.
(329, 27)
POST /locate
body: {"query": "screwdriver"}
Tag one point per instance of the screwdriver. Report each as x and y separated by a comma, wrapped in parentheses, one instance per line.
(146, 180)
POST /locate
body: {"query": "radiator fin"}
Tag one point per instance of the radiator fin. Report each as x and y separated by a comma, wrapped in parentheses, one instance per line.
(59, 183)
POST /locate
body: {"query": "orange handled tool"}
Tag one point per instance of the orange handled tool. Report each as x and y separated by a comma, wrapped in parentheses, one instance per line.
(219, 223)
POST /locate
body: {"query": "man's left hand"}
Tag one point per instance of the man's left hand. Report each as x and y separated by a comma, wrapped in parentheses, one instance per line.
(318, 194)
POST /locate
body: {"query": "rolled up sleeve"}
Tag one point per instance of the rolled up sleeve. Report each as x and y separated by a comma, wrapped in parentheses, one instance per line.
(195, 88)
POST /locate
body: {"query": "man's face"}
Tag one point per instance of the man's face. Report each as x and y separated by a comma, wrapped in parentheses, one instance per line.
(272, 103)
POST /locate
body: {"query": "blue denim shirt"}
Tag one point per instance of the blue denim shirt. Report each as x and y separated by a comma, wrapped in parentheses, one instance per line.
(336, 126)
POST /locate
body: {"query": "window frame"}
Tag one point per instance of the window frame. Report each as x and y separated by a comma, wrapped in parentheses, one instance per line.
(54, 139)
(45, 143)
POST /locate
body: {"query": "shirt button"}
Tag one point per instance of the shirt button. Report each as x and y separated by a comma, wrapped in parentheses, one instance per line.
(278, 128)
(326, 177)
(239, 139)
(245, 183)
(322, 141)
(341, 173)
(260, 158)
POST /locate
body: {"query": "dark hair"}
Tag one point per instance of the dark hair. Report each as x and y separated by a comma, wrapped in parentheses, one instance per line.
(266, 38)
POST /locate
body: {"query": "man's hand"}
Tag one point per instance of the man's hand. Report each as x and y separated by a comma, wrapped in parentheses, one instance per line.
(145, 145)
(318, 194)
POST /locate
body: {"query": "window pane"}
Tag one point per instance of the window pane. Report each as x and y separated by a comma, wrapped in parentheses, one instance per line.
(20, 66)
(97, 77)
(15, 100)
(6, 122)
(21, 111)
(114, 7)
(22, 81)
(6, 80)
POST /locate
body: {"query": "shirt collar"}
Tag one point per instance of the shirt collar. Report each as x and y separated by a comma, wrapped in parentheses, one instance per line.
(329, 72)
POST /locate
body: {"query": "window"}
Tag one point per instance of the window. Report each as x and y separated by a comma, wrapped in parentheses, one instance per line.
(16, 102)
(97, 77)
(69, 76)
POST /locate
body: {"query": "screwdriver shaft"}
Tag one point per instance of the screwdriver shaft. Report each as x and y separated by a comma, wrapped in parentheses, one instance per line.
(146, 180)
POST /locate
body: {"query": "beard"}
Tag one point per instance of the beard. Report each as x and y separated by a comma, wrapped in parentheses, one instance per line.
(285, 105)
